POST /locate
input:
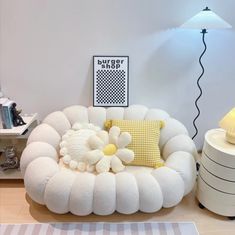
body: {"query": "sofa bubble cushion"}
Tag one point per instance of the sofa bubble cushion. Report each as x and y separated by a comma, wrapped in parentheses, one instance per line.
(37, 175)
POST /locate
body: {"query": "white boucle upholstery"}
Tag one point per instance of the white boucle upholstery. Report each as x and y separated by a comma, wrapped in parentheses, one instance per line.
(171, 184)
(181, 162)
(49, 182)
(45, 133)
(37, 175)
(35, 150)
(137, 169)
(76, 113)
(150, 194)
(135, 112)
(171, 128)
(58, 121)
(97, 116)
(81, 196)
(115, 113)
(104, 197)
(179, 143)
(57, 192)
(156, 114)
(128, 202)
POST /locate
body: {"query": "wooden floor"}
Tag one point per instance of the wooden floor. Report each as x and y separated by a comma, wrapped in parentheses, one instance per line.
(16, 207)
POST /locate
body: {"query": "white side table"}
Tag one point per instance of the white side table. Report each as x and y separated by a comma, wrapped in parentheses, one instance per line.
(216, 181)
(17, 136)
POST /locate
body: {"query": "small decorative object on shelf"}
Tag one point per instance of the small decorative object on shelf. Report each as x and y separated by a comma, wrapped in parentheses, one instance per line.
(9, 115)
(19, 130)
(16, 118)
(11, 160)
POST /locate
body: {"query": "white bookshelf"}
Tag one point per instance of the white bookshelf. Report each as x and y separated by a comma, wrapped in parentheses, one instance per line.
(16, 136)
(11, 174)
(19, 130)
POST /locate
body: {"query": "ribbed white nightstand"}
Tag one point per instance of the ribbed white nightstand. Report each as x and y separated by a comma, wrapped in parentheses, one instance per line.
(216, 181)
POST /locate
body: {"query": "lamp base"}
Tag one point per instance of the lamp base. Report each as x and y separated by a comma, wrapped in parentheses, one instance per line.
(230, 137)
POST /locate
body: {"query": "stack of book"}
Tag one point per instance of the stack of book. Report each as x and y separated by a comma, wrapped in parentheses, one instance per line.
(6, 113)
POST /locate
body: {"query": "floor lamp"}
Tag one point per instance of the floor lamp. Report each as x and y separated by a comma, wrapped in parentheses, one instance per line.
(204, 20)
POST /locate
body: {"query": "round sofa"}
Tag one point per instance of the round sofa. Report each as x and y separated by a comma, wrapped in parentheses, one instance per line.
(49, 182)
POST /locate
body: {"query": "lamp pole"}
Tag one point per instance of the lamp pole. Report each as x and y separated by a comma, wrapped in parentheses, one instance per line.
(204, 31)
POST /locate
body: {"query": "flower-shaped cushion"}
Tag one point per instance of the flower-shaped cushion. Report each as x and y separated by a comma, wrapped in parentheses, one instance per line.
(108, 150)
(49, 182)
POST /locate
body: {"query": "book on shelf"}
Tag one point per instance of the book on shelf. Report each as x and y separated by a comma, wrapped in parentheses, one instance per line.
(6, 109)
(6, 113)
(2, 101)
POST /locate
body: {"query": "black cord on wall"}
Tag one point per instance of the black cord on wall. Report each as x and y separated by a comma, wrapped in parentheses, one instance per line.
(198, 83)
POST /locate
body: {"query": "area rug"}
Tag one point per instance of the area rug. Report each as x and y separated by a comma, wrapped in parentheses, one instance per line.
(151, 228)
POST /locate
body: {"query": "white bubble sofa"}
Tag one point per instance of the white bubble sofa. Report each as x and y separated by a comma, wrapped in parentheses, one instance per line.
(62, 190)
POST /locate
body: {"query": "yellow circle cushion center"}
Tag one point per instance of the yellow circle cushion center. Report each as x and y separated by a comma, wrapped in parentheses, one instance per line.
(109, 149)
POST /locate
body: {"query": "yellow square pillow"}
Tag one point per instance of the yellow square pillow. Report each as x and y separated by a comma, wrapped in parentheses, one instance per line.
(145, 139)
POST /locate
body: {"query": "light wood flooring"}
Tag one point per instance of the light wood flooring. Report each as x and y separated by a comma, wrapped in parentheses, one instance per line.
(17, 207)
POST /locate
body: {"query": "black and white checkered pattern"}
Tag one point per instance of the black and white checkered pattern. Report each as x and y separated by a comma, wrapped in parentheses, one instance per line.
(111, 87)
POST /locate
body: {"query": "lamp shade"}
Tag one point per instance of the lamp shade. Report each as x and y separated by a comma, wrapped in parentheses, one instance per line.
(206, 19)
(228, 121)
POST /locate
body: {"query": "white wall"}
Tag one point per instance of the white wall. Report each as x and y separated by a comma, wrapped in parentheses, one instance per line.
(46, 50)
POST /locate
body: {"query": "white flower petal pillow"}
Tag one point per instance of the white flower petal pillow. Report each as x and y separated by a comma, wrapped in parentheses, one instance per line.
(108, 150)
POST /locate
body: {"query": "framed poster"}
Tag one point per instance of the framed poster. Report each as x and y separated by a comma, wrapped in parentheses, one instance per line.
(111, 81)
